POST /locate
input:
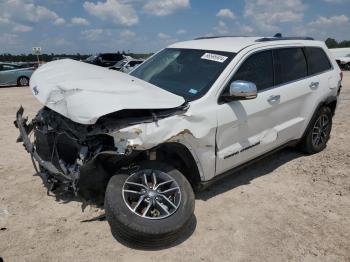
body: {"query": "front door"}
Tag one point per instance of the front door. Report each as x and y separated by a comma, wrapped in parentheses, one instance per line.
(250, 128)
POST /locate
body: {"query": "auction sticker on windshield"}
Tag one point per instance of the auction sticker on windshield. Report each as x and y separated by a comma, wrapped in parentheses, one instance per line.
(214, 57)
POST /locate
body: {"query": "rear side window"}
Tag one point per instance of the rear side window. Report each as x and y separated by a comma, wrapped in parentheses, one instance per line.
(258, 69)
(291, 65)
(318, 61)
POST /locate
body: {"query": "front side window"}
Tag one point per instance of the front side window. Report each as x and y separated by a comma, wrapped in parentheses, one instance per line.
(186, 72)
(318, 61)
(258, 69)
(292, 65)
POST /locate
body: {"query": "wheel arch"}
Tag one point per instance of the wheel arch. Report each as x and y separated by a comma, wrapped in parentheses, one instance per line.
(179, 156)
(330, 102)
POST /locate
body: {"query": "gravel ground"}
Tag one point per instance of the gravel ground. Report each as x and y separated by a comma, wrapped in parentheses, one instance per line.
(287, 207)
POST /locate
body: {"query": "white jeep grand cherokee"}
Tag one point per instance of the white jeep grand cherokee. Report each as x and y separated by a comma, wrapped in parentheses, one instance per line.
(193, 112)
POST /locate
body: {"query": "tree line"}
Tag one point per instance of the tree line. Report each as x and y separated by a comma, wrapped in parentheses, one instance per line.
(332, 43)
(51, 57)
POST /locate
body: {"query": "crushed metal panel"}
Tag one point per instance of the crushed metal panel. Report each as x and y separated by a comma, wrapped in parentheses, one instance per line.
(197, 136)
(84, 92)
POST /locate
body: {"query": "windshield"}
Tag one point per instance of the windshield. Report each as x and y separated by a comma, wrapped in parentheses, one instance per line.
(186, 72)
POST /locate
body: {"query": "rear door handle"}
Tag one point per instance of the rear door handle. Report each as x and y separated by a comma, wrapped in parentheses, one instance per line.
(274, 98)
(314, 85)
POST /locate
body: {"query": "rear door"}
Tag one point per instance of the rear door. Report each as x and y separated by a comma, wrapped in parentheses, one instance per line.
(322, 79)
(294, 87)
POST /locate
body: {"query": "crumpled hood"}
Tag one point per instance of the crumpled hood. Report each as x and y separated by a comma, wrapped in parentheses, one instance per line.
(84, 92)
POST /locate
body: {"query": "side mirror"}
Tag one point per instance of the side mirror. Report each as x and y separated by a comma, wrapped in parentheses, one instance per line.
(242, 90)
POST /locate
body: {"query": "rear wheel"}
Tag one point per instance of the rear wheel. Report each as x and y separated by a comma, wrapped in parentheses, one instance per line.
(149, 207)
(23, 81)
(318, 133)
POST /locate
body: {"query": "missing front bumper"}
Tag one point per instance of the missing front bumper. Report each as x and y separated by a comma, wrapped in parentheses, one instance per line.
(24, 129)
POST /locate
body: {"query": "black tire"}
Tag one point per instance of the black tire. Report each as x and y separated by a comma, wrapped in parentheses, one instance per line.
(141, 232)
(23, 81)
(308, 143)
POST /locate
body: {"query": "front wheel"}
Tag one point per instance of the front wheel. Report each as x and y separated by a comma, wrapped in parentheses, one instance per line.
(318, 133)
(149, 207)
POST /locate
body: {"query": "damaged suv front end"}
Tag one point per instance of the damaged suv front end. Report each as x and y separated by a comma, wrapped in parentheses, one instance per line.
(131, 141)
(80, 157)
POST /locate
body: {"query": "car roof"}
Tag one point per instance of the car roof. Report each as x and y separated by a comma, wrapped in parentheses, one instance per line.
(235, 44)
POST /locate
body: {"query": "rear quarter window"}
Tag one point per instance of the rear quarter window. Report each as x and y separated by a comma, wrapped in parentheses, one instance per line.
(317, 59)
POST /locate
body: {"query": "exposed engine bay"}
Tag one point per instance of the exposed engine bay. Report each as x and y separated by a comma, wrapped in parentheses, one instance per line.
(81, 158)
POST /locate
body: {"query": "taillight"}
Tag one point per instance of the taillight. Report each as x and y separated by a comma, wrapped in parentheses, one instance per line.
(341, 76)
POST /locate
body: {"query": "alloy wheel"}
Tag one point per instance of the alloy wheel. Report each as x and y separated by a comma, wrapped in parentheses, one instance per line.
(151, 194)
(320, 131)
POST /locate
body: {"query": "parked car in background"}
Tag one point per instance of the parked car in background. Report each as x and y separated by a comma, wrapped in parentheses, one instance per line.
(344, 62)
(127, 65)
(105, 59)
(11, 74)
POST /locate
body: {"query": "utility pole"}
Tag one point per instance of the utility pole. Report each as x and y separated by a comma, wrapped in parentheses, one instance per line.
(37, 52)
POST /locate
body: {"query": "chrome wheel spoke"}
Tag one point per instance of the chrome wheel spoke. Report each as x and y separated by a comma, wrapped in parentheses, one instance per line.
(167, 199)
(169, 190)
(154, 177)
(139, 203)
(163, 183)
(135, 184)
(132, 192)
(162, 207)
(147, 209)
(145, 179)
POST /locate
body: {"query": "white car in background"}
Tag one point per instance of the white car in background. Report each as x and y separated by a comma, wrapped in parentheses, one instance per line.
(344, 62)
(127, 65)
(196, 111)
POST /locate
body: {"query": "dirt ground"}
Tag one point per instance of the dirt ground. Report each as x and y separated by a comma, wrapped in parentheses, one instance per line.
(288, 207)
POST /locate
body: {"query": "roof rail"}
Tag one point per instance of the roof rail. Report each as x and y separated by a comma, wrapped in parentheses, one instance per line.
(266, 39)
(220, 36)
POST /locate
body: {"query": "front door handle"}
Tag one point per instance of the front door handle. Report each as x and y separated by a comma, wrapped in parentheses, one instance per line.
(314, 85)
(274, 98)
